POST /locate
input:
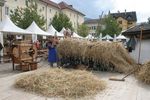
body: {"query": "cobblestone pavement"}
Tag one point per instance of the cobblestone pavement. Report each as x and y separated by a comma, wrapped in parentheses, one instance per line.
(130, 89)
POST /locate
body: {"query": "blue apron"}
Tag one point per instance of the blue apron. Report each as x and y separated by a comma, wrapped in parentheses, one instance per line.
(52, 55)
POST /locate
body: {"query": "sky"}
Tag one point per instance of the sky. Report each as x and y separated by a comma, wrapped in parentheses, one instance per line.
(94, 8)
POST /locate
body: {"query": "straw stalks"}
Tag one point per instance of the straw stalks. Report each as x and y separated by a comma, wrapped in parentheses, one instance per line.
(144, 73)
(56, 82)
(103, 56)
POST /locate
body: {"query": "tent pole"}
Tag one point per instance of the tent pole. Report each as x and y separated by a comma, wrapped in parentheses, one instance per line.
(140, 46)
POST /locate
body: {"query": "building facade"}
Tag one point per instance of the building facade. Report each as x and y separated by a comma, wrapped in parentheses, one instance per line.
(139, 48)
(125, 20)
(93, 24)
(47, 9)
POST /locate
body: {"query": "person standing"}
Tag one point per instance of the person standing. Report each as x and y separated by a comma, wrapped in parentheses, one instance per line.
(52, 53)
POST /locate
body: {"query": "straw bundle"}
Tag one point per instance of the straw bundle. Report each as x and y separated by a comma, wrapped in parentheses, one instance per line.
(102, 55)
(144, 73)
(61, 83)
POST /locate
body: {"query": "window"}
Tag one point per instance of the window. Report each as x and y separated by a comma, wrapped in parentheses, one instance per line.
(56, 12)
(15, 0)
(130, 23)
(120, 22)
(93, 27)
(6, 10)
(50, 10)
(40, 10)
(50, 20)
(70, 14)
(43, 8)
(26, 2)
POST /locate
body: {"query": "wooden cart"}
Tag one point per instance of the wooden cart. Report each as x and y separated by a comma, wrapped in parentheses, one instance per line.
(24, 56)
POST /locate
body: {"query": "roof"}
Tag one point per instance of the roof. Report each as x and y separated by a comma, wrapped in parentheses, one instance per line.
(51, 3)
(91, 21)
(64, 5)
(137, 29)
(34, 28)
(9, 27)
(130, 16)
(52, 31)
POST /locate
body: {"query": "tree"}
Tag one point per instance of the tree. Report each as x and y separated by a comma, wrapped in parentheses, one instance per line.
(60, 21)
(23, 17)
(83, 30)
(111, 26)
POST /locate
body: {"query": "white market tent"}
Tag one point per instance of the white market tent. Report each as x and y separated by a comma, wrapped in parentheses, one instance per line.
(52, 31)
(75, 35)
(34, 28)
(121, 37)
(89, 37)
(8, 27)
(62, 31)
(107, 37)
(100, 36)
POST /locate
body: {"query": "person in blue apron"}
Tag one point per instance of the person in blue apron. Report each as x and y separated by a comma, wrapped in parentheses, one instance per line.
(52, 53)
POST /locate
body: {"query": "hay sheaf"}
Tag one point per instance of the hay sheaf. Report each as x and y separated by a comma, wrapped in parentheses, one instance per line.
(104, 53)
(61, 83)
(144, 73)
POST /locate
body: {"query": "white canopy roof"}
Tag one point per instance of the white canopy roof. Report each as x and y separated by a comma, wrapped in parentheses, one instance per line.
(89, 37)
(52, 31)
(62, 30)
(9, 27)
(121, 37)
(36, 30)
(75, 35)
(107, 37)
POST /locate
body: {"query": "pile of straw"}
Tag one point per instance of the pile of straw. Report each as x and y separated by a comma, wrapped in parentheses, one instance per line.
(61, 83)
(102, 55)
(144, 73)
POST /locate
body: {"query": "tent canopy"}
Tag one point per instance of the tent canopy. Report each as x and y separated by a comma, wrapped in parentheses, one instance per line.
(52, 31)
(89, 37)
(75, 35)
(36, 30)
(8, 26)
(121, 37)
(107, 37)
(62, 30)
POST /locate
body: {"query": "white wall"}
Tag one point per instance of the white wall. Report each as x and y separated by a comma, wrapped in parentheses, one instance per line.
(145, 51)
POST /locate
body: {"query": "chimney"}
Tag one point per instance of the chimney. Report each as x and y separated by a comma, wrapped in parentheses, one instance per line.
(125, 11)
(70, 5)
(118, 11)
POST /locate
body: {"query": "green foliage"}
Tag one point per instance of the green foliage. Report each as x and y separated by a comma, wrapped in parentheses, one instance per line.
(23, 17)
(111, 26)
(83, 30)
(60, 21)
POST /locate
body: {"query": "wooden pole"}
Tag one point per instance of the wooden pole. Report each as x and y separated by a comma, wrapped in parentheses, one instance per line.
(140, 46)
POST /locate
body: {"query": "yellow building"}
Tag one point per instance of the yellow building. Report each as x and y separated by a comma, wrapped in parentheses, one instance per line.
(125, 19)
(47, 9)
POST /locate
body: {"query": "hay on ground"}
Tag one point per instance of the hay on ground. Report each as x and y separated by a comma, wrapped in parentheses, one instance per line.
(144, 73)
(104, 55)
(61, 83)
